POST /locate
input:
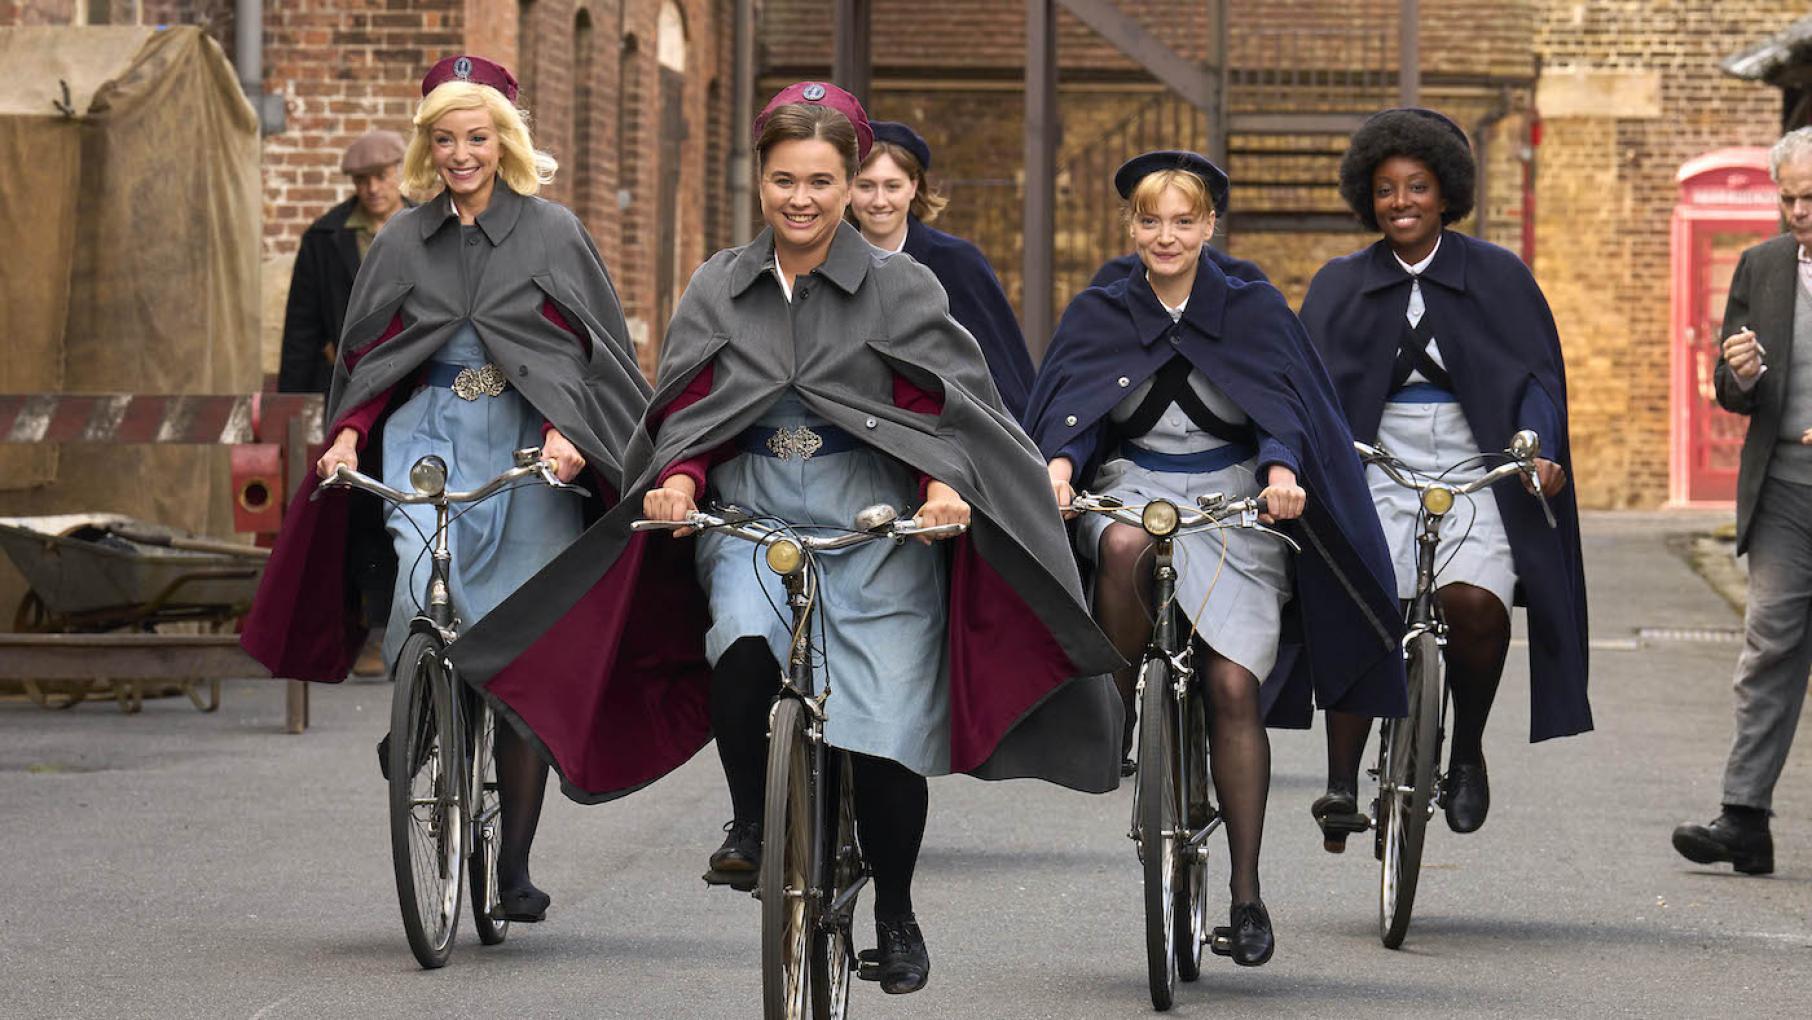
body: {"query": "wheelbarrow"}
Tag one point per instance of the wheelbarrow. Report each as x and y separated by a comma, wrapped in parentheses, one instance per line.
(100, 582)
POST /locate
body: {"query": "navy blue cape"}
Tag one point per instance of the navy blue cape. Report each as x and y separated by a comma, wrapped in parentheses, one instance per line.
(1239, 269)
(1499, 343)
(979, 305)
(1345, 613)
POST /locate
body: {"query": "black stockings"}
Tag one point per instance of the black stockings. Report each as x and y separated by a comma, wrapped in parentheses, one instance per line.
(1123, 608)
(521, 786)
(891, 800)
(1239, 749)
(1240, 758)
(1478, 639)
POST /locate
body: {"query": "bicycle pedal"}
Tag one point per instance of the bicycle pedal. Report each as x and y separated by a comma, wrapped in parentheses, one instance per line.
(1220, 941)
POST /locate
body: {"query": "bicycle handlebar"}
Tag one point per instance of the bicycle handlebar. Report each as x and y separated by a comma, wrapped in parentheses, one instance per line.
(896, 530)
(344, 477)
(1524, 450)
(1212, 511)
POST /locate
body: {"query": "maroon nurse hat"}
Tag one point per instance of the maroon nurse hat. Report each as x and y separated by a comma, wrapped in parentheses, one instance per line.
(824, 94)
(476, 70)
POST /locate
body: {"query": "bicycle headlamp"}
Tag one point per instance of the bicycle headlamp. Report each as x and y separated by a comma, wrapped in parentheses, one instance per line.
(429, 476)
(1437, 499)
(785, 557)
(1160, 518)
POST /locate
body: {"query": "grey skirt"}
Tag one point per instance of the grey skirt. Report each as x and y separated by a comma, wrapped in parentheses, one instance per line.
(1231, 585)
(1474, 547)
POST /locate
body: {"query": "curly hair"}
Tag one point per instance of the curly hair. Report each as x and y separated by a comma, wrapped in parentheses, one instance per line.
(1425, 137)
(522, 166)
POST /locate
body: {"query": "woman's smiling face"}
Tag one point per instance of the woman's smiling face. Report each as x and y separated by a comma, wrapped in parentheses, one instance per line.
(1406, 199)
(466, 151)
(804, 190)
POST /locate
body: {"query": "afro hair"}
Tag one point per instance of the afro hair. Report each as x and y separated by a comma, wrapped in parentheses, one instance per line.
(1422, 135)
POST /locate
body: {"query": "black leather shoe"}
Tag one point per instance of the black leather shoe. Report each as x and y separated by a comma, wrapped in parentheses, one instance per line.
(1466, 796)
(526, 905)
(900, 962)
(1337, 813)
(1128, 767)
(1747, 846)
(736, 862)
(1249, 934)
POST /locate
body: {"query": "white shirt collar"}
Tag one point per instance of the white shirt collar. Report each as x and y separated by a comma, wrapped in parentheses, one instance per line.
(1176, 313)
(1416, 270)
(780, 274)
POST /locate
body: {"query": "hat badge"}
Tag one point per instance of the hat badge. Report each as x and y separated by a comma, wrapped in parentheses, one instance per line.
(812, 93)
(462, 67)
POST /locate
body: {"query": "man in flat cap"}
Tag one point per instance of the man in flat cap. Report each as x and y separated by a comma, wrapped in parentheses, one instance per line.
(319, 290)
(329, 258)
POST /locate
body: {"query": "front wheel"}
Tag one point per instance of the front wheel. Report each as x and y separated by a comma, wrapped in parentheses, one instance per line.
(1412, 747)
(1198, 811)
(1158, 825)
(427, 800)
(787, 867)
(487, 824)
(833, 951)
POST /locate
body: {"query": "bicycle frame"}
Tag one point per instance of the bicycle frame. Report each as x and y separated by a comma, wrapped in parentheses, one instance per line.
(1180, 669)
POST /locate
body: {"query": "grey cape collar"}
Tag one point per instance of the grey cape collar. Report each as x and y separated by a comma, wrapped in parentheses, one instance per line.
(497, 220)
(845, 265)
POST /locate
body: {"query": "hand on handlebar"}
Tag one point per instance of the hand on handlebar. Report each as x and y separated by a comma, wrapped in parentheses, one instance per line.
(565, 458)
(673, 501)
(1553, 477)
(344, 451)
(1284, 499)
(942, 507)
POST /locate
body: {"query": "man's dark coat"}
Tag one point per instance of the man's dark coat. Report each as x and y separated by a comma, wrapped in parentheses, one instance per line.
(1498, 341)
(1243, 338)
(1762, 293)
(547, 315)
(1118, 267)
(1027, 698)
(319, 289)
(978, 305)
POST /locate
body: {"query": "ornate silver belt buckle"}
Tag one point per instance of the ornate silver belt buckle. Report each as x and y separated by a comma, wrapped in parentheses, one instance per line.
(798, 442)
(472, 383)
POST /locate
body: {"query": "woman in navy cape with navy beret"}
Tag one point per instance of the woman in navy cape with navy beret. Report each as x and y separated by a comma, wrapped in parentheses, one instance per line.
(1176, 381)
(895, 206)
(1441, 346)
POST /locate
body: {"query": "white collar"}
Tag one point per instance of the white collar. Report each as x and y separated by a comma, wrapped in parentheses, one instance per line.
(1416, 270)
(780, 274)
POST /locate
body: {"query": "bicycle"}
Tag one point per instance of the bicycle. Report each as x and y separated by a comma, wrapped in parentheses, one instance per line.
(811, 867)
(1172, 814)
(444, 820)
(1409, 749)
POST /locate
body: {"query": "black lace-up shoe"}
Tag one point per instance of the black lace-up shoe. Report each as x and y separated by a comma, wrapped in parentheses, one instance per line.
(526, 905)
(1252, 940)
(736, 862)
(1466, 796)
(1747, 845)
(1337, 813)
(900, 961)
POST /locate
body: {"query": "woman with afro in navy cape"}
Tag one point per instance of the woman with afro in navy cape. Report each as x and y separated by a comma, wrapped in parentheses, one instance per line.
(1441, 346)
(1177, 381)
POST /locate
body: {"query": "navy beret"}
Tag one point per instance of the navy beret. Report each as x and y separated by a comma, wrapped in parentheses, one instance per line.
(904, 137)
(1138, 168)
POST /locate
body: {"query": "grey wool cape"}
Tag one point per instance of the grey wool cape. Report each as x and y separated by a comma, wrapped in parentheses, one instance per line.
(1029, 697)
(549, 318)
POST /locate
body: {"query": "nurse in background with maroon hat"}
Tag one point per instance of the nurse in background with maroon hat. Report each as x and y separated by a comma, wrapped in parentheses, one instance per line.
(483, 282)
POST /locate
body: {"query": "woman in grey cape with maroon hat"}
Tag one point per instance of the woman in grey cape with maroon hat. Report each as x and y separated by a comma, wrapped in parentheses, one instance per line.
(972, 655)
(483, 281)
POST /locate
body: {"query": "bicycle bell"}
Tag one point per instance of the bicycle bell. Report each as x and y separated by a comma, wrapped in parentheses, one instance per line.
(429, 476)
(1525, 445)
(876, 518)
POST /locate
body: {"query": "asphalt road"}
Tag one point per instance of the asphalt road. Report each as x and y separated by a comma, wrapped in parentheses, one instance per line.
(175, 864)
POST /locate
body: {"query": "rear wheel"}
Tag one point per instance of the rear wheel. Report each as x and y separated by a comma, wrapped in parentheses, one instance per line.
(487, 824)
(1413, 746)
(787, 873)
(833, 949)
(1158, 823)
(427, 802)
(1198, 810)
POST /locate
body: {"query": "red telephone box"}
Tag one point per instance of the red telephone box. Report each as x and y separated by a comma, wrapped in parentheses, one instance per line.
(1727, 204)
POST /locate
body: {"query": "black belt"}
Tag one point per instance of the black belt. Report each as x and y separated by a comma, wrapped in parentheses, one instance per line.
(800, 442)
(467, 382)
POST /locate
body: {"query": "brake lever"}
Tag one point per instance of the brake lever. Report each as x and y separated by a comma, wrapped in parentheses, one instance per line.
(1280, 536)
(553, 481)
(1542, 497)
(330, 482)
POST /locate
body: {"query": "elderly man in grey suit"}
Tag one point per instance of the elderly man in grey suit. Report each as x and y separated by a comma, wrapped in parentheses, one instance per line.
(1765, 372)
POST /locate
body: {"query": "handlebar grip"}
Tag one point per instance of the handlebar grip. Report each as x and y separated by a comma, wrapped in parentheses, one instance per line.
(1262, 504)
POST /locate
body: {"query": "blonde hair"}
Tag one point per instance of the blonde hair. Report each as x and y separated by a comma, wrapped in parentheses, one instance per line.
(1144, 198)
(926, 202)
(522, 166)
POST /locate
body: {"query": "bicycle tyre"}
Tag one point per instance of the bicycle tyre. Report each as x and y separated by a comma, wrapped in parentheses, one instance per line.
(786, 874)
(487, 823)
(1415, 749)
(833, 949)
(1192, 870)
(427, 801)
(1157, 813)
